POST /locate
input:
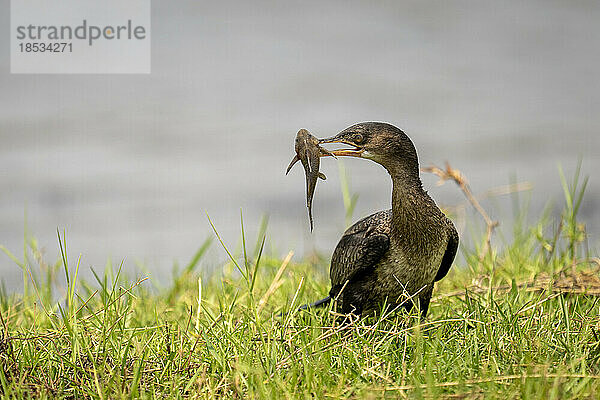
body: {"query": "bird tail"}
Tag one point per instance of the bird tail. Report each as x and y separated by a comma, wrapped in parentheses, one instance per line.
(318, 303)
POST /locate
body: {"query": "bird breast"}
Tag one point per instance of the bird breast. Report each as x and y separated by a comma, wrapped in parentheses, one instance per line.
(408, 268)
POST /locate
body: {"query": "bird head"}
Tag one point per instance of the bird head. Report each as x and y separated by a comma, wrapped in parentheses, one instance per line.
(380, 142)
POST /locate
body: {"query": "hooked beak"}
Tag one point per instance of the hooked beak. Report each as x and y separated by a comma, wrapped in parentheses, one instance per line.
(355, 152)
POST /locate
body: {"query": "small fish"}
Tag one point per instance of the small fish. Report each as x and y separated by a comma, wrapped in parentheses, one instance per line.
(309, 153)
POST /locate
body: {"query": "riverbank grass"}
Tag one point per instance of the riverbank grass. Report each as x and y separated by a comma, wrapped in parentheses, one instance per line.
(511, 320)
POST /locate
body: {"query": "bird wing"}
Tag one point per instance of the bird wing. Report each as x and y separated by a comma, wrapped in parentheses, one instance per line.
(359, 250)
(449, 255)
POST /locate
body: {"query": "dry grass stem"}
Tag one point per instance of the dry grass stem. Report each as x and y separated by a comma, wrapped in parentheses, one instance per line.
(456, 176)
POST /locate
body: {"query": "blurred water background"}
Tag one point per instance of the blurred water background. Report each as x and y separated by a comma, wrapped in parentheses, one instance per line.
(130, 165)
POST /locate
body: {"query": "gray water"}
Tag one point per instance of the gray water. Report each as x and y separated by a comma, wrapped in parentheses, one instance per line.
(129, 165)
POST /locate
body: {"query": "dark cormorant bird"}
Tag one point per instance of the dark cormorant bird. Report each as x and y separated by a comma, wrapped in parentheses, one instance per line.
(395, 256)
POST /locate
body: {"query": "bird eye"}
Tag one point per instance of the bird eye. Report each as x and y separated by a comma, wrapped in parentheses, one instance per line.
(357, 138)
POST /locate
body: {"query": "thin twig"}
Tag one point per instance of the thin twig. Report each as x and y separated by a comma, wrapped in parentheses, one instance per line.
(455, 175)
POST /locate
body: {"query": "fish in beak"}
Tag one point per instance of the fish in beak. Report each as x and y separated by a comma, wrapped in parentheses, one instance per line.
(308, 152)
(355, 151)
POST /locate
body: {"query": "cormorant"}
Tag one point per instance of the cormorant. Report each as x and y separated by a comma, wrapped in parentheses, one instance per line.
(395, 256)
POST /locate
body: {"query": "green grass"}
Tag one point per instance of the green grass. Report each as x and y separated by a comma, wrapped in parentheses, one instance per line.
(524, 323)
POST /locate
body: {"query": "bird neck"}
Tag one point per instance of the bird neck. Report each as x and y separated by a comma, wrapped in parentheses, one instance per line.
(407, 198)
